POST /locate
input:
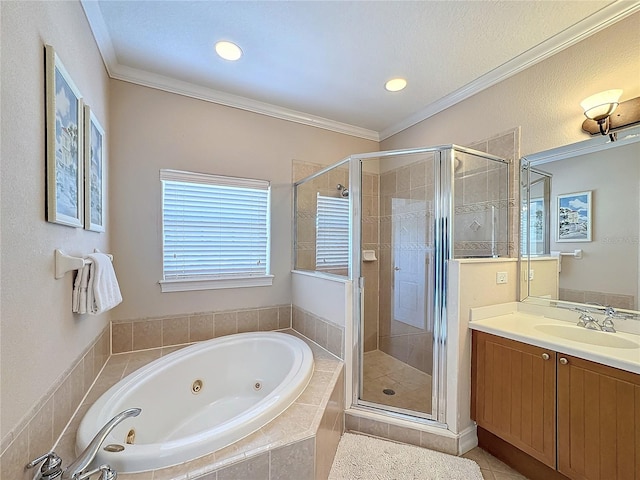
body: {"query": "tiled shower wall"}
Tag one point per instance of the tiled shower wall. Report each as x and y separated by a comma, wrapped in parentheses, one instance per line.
(371, 269)
(505, 145)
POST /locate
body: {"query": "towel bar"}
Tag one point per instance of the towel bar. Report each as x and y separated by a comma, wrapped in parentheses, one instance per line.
(66, 263)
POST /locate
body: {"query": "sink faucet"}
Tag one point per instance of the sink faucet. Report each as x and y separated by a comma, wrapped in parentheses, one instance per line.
(52, 464)
(610, 313)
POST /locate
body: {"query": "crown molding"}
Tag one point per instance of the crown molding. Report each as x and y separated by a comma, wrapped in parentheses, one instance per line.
(594, 23)
(140, 77)
(100, 33)
(568, 37)
(160, 82)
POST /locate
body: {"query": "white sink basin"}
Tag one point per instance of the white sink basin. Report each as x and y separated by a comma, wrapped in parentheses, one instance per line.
(583, 335)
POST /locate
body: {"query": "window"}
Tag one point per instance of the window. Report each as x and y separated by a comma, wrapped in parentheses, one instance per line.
(332, 234)
(215, 231)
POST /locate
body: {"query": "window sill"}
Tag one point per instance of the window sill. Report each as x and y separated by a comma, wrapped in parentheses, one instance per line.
(191, 284)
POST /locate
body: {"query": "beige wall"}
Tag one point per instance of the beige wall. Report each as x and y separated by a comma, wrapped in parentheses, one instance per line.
(544, 99)
(472, 283)
(150, 130)
(41, 338)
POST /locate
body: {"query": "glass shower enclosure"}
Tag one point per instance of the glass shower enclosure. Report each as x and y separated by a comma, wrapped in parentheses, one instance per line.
(410, 212)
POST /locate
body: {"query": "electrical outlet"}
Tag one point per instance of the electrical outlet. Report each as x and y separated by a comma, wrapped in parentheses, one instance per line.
(531, 274)
(501, 277)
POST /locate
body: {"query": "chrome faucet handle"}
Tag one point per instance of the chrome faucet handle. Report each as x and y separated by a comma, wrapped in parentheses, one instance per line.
(584, 318)
(106, 473)
(51, 466)
(588, 322)
(607, 325)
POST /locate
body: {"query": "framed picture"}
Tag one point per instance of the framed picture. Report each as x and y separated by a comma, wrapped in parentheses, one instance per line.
(574, 217)
(94, 168)
(64, 144)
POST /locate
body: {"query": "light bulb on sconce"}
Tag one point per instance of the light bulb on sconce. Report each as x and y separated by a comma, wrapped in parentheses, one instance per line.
(599, 109)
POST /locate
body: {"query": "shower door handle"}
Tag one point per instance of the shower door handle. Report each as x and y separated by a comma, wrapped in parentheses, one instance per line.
(396, 268)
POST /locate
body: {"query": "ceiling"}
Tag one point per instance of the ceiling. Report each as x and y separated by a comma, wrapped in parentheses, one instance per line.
(324, 63)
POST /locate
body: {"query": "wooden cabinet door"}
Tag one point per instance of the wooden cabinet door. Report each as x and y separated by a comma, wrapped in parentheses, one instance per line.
(598, 421)
(514, 394)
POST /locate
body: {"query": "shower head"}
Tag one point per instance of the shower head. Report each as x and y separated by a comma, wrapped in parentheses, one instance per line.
(344, 191)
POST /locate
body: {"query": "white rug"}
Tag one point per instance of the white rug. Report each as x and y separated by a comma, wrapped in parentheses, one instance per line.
(366, 458)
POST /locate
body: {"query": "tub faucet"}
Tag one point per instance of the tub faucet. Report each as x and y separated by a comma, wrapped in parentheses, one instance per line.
(77, 470)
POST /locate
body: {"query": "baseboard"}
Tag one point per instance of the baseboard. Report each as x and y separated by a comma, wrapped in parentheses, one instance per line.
(467, 440)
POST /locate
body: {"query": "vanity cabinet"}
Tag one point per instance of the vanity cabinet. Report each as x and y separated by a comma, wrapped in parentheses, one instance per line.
(598, 421)
(514, 394)
(520, 393)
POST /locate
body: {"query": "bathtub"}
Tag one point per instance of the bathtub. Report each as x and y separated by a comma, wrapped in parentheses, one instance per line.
(198, 399)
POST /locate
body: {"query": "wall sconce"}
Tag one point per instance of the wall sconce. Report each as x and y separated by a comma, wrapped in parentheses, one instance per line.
(600, 108)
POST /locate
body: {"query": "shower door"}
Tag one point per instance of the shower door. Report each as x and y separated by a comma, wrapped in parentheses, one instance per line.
(397, 223)
(414, 210)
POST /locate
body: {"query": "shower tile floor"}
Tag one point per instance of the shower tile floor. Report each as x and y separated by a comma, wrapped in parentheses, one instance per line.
(412, 387)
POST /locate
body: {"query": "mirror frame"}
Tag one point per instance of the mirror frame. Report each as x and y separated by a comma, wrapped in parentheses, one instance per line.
(529, 162)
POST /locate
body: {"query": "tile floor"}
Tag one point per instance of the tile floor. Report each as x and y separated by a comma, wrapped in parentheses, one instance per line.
(413, 392)
(412, 387)
(491, 467)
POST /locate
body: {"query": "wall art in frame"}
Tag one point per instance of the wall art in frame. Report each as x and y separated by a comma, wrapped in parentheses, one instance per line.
(574, 217)
(64, 144)
(94, 168)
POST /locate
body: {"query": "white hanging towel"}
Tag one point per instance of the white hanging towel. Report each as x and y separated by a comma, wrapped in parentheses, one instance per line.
(80, 290)
(103, 291)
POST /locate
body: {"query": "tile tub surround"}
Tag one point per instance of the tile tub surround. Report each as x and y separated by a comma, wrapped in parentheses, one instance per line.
(323, 332)
(298, 444)
(148, 333)
(43, 425)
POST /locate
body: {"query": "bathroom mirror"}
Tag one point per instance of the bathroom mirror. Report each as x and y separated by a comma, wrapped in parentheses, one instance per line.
(580, 223)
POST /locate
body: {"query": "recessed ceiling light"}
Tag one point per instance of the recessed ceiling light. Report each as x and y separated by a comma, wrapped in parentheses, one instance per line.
(395, 84)
(228, 51)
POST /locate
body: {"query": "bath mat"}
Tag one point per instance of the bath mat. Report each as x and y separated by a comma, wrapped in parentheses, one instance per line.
(366, 458)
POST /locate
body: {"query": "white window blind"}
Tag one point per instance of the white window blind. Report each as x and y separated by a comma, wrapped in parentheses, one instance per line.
(332, 233)
(214, 227)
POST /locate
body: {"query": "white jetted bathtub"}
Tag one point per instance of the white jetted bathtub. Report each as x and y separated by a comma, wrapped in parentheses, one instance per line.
(198, 399)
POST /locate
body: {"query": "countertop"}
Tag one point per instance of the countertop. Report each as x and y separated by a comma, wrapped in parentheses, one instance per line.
(509, 321)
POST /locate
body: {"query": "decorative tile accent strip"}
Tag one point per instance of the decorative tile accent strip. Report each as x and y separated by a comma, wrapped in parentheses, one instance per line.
(325, 333)
(147, 333)
(39, 429)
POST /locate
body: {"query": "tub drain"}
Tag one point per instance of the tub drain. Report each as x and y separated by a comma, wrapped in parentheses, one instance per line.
(257, 386)
(196, 387)
(389, 391)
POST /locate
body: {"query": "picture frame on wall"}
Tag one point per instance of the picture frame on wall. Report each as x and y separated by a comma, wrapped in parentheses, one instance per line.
(64, 144)
(94, 169)
(573, 214)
